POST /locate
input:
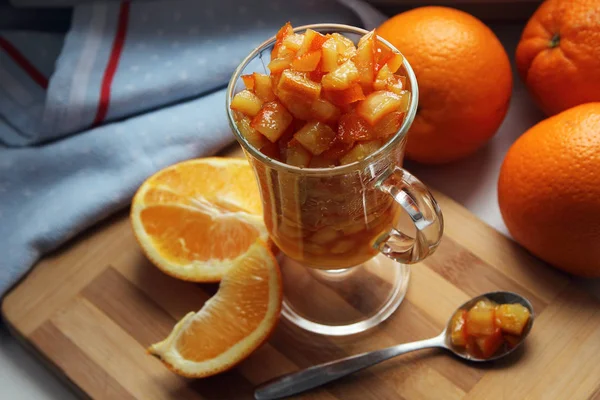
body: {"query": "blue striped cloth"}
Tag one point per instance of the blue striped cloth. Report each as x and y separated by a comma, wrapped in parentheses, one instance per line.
(132, 87)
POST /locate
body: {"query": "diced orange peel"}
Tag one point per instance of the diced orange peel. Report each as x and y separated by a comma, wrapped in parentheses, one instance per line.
(352, 95)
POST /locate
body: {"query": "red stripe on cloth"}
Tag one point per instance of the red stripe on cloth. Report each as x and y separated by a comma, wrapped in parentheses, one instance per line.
(113, 63)
(24, 63)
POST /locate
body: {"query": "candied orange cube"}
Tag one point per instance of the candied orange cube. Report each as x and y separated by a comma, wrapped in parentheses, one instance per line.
(365, 59)
(481, 320)
(318, 73)
(263, 87)
(278, 65)
(313, 41)
(300, 108)
(394, 62)
(386, 80)
(345, 48)
(511, 340)
(488, 345)
(255, 138)
(293, 41)
(248, 81)
(284, 52)
(352, 128)
(325, 235)
(485, 304)
(314, 249)
(271, 150)
(246, 102)
(272, 120)
(472, 347)
(283, 32)
(389, 57)
(297, 155)
(324, 111)
(388, 125)
(458, 333)
(347, 96)
(317, 42)
(307, 62)
(336, 151)
(405, 94)
(360, 150)
(381, 50)
(382, 79)
(297, 83)
(342, 77)
(343, 43)
(512, 318)
(275, 80)
(329, 55)
(342, 246)
(397, 84)
(304, 109)
(316, 137)
(380, 103)
(346, 55)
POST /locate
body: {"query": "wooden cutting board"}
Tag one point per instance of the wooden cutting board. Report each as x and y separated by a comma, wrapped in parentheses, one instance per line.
(91, 309)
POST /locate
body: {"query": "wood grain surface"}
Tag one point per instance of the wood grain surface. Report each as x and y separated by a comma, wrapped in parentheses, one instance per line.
(92, 308)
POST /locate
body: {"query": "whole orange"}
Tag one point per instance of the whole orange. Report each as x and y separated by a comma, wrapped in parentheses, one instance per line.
(558, 56)
(549, 190)
(464, 80)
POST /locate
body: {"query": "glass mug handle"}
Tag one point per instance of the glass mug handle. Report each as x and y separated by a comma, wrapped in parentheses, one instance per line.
(414, 197)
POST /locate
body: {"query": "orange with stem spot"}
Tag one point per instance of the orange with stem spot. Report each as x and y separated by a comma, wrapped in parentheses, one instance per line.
(558, 56)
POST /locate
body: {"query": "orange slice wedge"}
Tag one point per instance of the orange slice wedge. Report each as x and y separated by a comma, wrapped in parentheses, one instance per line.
(232, 324)
(195, 218)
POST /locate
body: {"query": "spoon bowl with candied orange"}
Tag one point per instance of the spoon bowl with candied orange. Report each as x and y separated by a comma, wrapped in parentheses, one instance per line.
(485, 328)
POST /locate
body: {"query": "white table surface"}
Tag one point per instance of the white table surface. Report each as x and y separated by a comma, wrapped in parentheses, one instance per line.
(471, 182)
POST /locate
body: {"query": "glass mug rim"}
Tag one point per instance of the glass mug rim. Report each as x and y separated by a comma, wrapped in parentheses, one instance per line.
(329, 171)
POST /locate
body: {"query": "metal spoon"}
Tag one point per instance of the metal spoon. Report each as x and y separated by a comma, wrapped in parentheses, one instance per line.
(310, 378)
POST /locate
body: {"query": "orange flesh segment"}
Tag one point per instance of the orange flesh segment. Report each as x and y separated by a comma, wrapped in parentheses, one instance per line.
(237, 181)
(234, 313)
(182, 234)
(164, 196)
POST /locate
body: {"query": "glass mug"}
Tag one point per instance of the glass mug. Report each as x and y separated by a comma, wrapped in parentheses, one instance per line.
(343, 254)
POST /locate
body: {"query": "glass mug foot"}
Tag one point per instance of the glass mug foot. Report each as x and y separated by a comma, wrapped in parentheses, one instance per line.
(346, 301)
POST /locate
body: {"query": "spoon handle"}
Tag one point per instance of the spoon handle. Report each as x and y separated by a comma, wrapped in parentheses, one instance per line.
(297, 382)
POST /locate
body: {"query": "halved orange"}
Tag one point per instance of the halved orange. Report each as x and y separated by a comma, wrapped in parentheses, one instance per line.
(195, 218)
(232, 324)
